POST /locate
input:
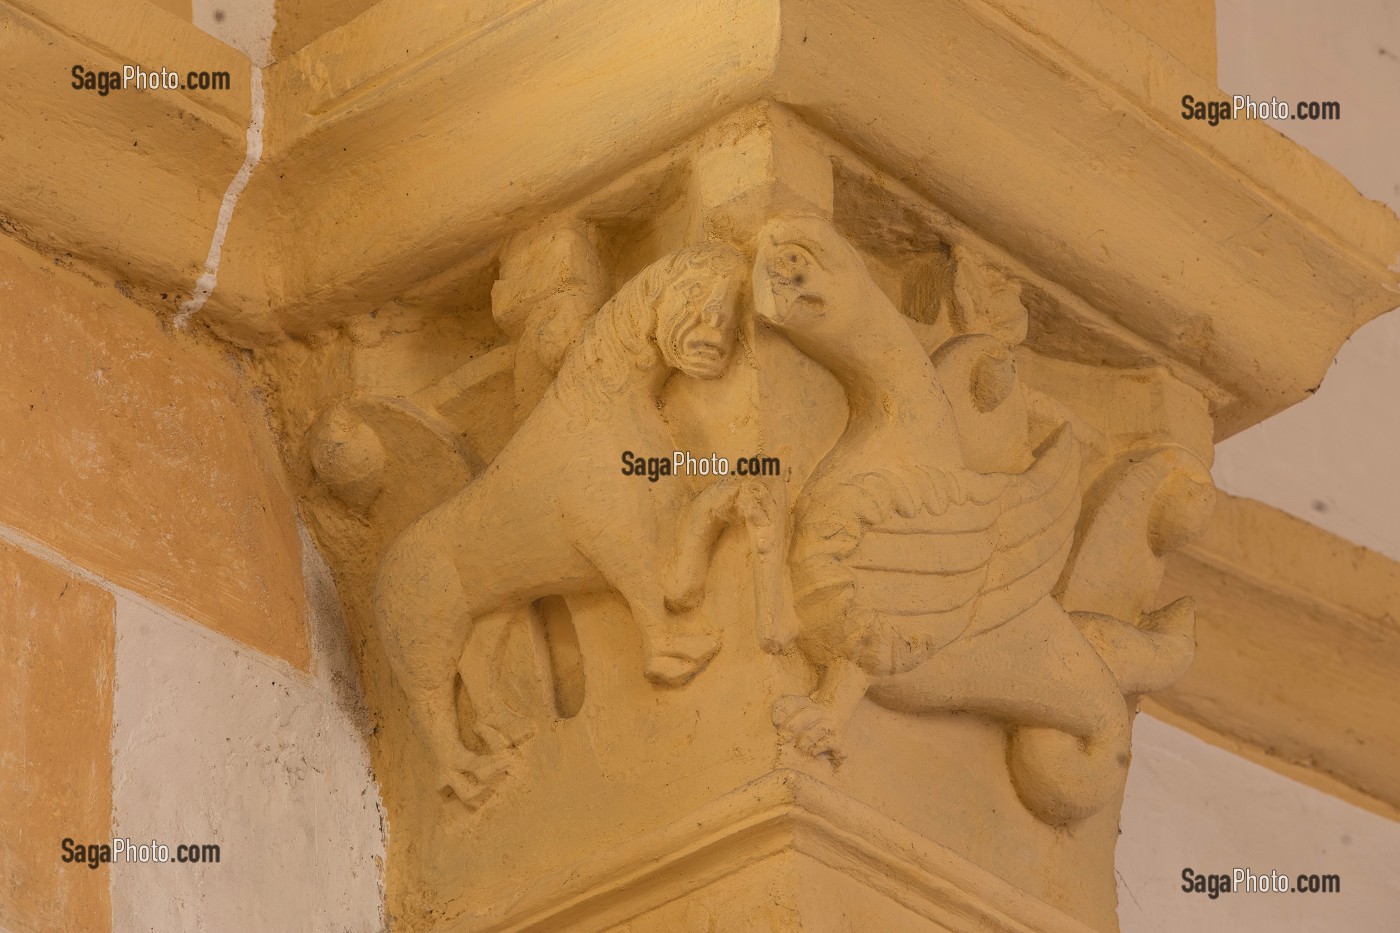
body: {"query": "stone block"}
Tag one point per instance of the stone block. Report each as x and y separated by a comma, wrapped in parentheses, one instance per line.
(141, 456)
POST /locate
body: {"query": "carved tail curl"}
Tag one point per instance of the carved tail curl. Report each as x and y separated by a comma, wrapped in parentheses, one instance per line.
(1144, 507)
(1061, 777)
(1070, 725)
(1148, 504)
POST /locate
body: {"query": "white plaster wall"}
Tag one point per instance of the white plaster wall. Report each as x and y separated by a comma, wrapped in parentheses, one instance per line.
(215, 742)
(244, 24)
(1342, 50)
(1333, 461)
(1193, 805)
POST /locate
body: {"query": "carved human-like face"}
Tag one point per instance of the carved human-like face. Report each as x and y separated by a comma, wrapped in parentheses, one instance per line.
(697, 335)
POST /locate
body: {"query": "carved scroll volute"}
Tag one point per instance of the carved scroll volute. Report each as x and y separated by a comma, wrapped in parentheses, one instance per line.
(1145, 506)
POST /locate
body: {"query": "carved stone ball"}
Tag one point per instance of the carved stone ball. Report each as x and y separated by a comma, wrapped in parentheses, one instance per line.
(1181, 511)
(348, 457)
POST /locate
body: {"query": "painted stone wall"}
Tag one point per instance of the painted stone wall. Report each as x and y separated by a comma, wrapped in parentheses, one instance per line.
(172, 665)
(56, 647)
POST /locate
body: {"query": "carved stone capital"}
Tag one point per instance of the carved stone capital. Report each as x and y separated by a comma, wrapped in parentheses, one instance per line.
(748, 440)
(753, 507)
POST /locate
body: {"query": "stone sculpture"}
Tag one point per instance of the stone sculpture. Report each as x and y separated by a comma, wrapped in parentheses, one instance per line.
(984, 466)
(927, 584)
(532, 525)
(952, 552)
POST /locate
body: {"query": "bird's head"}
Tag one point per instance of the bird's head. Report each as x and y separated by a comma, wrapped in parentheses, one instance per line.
(796, 270)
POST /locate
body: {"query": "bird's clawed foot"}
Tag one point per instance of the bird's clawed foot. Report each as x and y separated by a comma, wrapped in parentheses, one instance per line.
(809, 726)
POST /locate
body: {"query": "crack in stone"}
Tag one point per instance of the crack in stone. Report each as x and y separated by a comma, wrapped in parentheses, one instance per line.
(204, 285)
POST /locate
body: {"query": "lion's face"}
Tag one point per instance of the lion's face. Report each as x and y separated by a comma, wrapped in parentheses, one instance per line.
(696, 330)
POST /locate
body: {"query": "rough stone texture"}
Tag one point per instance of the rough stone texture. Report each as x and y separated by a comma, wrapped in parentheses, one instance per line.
(131, 181)
(56, 666)
(302, 21)
(180, 8)
(139, 456)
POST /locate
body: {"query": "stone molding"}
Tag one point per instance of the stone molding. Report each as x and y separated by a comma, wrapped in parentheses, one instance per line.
(1283, 608)
(129, 183)
(782, 812)
(1235, 237)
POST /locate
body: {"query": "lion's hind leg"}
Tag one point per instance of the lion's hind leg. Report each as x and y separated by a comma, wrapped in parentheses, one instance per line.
(499, 727)
(673, 654)
(750, 503)
(423, 619)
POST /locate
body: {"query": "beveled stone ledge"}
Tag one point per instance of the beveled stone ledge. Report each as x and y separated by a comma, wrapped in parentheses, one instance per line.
(129, 182)
(1298, 647)
(1052, 130)
(788, 818)
(1208, 243)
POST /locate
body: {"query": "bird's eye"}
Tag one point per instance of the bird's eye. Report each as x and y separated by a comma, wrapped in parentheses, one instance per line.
(795, 258)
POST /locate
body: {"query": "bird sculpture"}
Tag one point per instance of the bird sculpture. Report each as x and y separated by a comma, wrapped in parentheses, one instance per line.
(919, 580)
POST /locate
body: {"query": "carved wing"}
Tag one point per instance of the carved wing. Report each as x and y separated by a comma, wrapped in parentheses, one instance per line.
(895, 565)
